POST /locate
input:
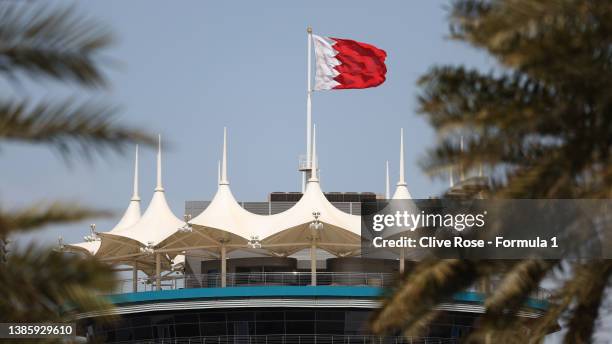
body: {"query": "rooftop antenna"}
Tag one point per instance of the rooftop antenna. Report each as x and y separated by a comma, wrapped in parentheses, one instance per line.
(313, 175)
(309, 136)
(401, 191)
(387, 187)
(135, 196)
(402, 180)
(305, 165)
(224, 180)
(159, 186)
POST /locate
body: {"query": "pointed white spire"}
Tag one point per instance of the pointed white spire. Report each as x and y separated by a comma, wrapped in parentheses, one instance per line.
(135, 196)
(387, 185)
(218, 171)
(313, 176)
(402, 180)
(159, 186)
(401, 191)
(223, 180)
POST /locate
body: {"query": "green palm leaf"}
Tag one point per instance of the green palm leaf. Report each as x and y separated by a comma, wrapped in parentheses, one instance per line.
(54, 43)
(69, 127)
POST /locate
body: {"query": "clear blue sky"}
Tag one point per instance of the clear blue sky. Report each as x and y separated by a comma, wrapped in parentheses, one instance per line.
(186, 69)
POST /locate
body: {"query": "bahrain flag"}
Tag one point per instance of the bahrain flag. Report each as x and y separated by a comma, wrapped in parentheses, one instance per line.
(344, 63)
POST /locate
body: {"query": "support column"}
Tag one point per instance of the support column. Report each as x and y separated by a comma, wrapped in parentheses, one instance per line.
(223, 266)
(313, 264)
(134, 278)
(158, 271)
(402, 261)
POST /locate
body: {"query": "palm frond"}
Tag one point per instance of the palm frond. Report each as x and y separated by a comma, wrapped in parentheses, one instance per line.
(541, 124)
(581, 324)
(524, 278)
(415, 297)
(40, 215)
(69, 127)
(42, 285)
(500, 320)
(56, 43)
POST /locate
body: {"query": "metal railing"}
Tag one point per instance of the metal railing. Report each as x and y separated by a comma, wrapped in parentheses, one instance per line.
(366, 279)
(305, 162)
(371, 279)
(296, 339)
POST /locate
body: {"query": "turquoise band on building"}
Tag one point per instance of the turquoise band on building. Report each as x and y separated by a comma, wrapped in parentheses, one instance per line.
(285, 291)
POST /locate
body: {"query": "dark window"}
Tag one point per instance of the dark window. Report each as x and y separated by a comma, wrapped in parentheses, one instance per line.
(162, 319)
(187, 330)
(357, 316)
(270, 327)
(123, 335)
(262, 321)
(300, 327)
(140, 321)
(330, 327)
(241, 316)
(355, 328)
(241, 328)
(330, 315)
(268, 316)
(213, 329)
(142, 332)
(212, 316)
(163, 331)
(191, 318)
(300, 315)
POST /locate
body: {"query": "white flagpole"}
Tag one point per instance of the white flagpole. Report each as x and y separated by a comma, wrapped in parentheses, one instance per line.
(309, 107)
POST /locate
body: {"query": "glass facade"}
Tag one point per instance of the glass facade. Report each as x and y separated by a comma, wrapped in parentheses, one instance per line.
(254, 323)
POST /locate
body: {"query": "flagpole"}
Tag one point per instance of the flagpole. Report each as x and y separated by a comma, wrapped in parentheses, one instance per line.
(309, 107)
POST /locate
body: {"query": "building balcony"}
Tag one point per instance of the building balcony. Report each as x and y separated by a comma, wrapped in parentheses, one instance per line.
(295, 339)
(259, 279)
(372, 280)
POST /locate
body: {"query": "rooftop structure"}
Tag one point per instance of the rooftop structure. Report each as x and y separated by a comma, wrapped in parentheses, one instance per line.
(282, 271)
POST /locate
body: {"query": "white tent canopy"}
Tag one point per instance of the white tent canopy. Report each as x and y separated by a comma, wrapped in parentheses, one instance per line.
(131, 244)
(225, 222)
(129, 218)
(150, 242)
(294, 229)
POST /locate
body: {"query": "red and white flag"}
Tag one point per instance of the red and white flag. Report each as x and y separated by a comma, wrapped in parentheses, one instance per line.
(344, 63)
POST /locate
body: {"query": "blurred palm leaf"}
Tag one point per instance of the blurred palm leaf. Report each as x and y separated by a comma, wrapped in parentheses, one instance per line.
(541, 124)
(36, 41)
(41, 215)
(431, 282)
(67, 126)
(43, 285)
(54, 43)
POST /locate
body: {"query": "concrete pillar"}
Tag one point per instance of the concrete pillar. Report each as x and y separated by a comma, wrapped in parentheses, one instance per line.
(223, 267)
(313, 264)
(158, 271)
(134, 278)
